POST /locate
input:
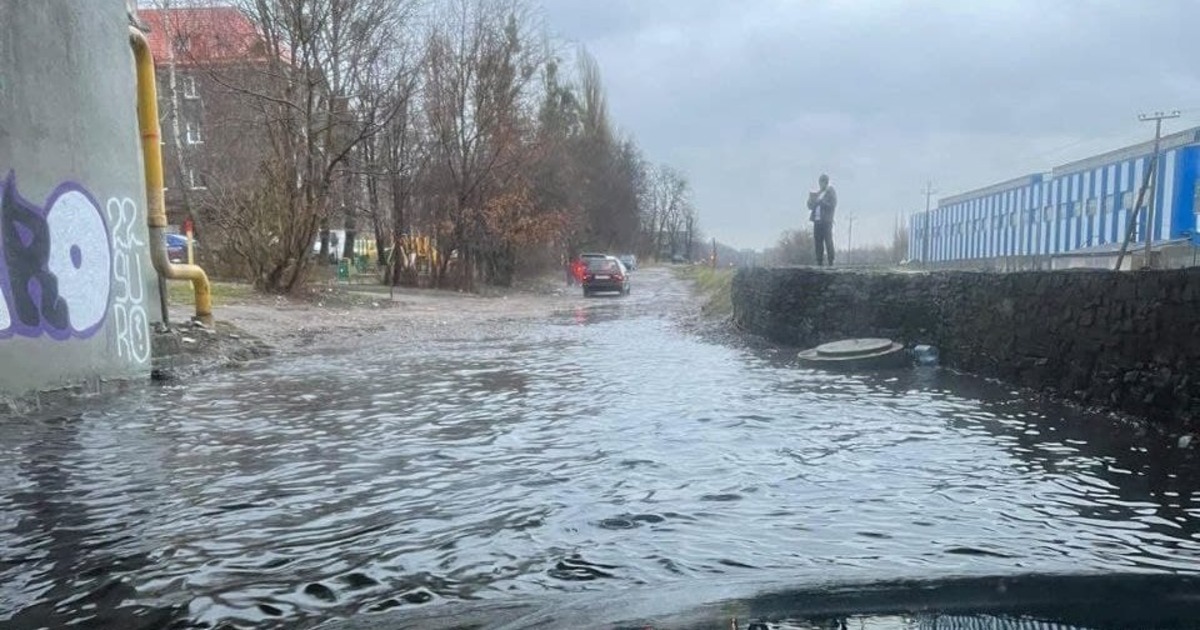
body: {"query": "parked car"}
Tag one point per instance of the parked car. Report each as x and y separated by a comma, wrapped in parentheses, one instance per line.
(177, 247)
(605, 274)
(630, 261)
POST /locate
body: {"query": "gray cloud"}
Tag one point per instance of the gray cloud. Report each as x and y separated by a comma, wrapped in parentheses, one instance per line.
(752, 99)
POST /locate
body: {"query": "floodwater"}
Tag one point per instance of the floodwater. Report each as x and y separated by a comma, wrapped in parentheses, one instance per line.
(604, 451)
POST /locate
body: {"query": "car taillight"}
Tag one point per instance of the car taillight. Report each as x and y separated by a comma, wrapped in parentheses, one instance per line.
(618, 277)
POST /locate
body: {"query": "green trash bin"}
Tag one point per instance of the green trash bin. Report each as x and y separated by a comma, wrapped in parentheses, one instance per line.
(343, 269)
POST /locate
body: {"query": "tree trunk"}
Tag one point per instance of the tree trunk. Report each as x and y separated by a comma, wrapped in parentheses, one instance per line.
(181, 165)
(377, 225)
(348, 242)
(324, 254)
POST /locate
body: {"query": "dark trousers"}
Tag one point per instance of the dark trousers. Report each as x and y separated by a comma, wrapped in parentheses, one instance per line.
(823, 238)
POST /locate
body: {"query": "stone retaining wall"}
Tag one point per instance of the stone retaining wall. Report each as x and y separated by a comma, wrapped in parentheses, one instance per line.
(1128, 341)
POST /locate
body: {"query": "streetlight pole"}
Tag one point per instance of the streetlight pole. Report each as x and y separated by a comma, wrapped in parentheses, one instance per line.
(929, 193)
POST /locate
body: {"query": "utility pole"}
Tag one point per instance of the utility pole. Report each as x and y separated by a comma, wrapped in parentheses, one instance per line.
(1149, 183)
(1157, 117)
(929, 193)
(849, 235)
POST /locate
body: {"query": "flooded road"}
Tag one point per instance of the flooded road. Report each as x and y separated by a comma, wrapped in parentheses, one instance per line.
(603, 448)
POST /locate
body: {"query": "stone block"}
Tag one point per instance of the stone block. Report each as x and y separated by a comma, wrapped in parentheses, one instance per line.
(1016, 326)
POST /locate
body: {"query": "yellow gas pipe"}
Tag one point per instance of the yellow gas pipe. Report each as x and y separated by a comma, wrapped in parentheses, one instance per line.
(156, 212)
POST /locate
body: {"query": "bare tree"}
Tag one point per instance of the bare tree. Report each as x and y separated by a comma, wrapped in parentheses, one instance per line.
(478, 81)
(690, 228)
(308, 88)
(795, 247)
(899, 251)
(611, 170)
(668, 207)
(403, 152)
(451, 119)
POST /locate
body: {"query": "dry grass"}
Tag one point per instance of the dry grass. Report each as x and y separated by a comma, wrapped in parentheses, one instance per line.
(716, 285)
(180, 292)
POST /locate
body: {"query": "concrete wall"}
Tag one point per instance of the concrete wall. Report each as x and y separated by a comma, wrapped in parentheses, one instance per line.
(1128, 341)
(77, 292)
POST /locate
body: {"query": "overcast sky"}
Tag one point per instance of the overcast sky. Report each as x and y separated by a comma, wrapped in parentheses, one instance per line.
(752, 99)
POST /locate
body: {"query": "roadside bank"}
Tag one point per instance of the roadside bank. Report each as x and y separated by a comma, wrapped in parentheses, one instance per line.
(342, 317)
(714, 286)
(1122, 341)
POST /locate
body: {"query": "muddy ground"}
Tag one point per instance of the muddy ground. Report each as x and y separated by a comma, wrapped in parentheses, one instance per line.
(344, 317)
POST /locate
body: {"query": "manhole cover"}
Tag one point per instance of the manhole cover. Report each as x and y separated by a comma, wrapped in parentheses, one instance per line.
(853, 347)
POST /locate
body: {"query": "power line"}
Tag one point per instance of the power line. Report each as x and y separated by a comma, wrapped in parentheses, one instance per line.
(1090, 144)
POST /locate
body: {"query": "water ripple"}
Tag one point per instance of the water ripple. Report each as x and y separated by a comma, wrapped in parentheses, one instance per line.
(616, 454)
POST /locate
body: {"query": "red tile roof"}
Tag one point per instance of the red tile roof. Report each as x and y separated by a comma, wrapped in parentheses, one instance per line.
(202, 36)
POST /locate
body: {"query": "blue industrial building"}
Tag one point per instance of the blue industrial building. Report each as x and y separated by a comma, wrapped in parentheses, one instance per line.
(1074, 216)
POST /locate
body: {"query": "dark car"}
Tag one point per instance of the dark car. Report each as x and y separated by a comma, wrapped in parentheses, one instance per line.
(177, 247)
(630, 261)
(605, 274)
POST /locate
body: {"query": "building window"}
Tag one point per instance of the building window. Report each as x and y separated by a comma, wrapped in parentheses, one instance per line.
(189, 87)
(1127, 200)
(1109, 203)
(1012, 220)
(1092, 207)
(192, 133)
(196, 181)
(1048, 214)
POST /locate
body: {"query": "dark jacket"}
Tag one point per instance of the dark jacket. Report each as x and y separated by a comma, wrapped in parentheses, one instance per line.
(822, 204)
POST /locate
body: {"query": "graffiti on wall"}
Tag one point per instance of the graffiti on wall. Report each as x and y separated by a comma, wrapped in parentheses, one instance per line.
(66, 266)
(129, 310)
(56, 265)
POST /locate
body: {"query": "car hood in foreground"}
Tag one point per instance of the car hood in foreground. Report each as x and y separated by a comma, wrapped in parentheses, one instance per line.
(1063, 602)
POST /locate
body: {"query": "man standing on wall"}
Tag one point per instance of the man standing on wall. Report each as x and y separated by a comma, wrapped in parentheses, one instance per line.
(821, 205)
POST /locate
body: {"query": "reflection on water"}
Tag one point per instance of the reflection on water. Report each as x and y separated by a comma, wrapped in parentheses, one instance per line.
(618, 454)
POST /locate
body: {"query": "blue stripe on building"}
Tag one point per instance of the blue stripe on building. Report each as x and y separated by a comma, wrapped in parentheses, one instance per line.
(1167, 198)
(1185, 189)
(1084, 204)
